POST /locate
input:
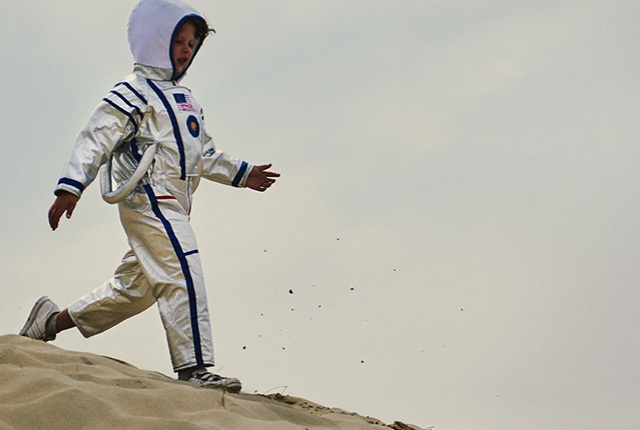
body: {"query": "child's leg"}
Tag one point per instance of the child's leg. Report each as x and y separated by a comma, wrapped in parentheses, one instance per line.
(185, 316)
(165, 246)
(123, 296)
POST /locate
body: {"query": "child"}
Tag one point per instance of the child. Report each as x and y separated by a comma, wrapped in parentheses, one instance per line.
(151, 110)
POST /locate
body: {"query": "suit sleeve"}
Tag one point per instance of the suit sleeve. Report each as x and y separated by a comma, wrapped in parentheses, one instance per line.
(219, 167)
(115, 120)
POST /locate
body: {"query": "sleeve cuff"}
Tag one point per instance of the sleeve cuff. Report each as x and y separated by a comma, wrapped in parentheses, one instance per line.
(70, 186)
(240, 180)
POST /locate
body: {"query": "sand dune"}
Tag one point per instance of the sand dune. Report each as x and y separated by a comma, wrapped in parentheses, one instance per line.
(45, 387)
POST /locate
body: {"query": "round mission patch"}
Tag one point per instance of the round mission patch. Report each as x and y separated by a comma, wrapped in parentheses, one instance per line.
(193, 125)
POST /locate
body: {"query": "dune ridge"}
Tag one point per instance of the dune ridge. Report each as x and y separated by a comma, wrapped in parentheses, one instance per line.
(43, 386)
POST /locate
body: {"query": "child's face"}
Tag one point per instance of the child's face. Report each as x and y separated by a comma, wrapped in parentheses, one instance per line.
(183, 44)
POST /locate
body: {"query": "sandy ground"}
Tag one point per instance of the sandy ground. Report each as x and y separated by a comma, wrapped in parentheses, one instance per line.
(45, 387)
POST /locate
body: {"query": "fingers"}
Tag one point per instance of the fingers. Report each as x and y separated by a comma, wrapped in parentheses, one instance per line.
(263, 170)
(265, 184)
(265, 181)
(70, 207)
(54, 217)
(53, 222)
(261, 185)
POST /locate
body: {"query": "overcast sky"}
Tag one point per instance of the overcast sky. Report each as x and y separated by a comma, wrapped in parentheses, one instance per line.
(455, 239)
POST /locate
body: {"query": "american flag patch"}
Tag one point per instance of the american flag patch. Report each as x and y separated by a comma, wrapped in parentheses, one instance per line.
(184, 102)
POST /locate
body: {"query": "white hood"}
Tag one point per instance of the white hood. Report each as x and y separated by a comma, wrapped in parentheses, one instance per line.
(151, 28)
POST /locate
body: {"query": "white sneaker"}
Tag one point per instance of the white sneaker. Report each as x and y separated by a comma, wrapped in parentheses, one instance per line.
(206, 379)
(36, 325)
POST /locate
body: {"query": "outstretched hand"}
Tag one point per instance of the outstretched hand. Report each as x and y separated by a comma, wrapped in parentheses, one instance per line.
(65, 202)
(260, 178)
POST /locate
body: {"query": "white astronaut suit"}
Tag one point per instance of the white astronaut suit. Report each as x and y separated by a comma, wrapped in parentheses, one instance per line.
(148, 108)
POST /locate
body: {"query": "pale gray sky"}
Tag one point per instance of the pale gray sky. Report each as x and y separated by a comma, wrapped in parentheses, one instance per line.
(457, 216)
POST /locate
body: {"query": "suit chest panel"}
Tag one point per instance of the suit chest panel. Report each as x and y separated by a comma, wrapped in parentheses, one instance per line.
(184, 116)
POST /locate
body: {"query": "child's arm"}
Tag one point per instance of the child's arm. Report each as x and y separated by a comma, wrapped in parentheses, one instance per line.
(65, 202)
(115, 120)
(220, 167)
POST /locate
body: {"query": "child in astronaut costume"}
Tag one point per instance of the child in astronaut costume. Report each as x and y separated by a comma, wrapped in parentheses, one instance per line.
(150, 109)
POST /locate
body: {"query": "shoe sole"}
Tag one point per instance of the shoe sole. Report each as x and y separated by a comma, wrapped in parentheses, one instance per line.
(232, 388)
(32, 316)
